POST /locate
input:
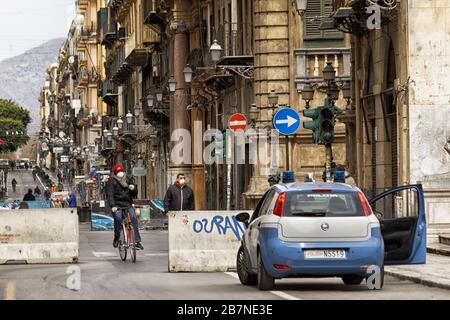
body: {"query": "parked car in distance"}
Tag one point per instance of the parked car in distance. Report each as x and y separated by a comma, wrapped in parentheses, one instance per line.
(330, 230)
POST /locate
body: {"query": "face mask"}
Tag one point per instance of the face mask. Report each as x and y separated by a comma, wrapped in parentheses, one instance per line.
(182, 181)
(120, 174)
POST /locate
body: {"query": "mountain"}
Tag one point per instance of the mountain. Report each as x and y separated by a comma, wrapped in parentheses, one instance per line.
(22, 77)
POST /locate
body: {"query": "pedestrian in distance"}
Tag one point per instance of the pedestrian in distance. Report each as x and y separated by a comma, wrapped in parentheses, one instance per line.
(54, 188)
(29, 196)
(179, 196)
(14, 184)
(120, 192)
(59, 177)
(47, 194)
(37, 192)
(13, 164)
(34, 174)
(60, 187)
(72, 200)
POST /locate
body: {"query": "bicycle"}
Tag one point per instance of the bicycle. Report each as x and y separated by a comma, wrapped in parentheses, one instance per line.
(127, 238)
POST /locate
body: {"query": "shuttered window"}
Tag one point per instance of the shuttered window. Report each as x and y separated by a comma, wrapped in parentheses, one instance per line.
(316, 11)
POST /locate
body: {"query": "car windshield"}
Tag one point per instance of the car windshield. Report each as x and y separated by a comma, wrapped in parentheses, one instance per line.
(322, 204)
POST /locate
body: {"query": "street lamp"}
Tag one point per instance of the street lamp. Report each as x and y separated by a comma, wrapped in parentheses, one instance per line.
(307, 94)
(129, 117)
(254, 112)
(300, 6)
(137, 110)
(159, 95)
(109, 136)
(329, 73)
(150, 100)
(273, 98)
(347, 91)
(172, 84)
(105, 132)
(216, 51)
(188, 74)
(115, 131)
(334, 91)
(120, 124)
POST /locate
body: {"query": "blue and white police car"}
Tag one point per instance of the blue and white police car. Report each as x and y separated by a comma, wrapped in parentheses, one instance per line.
(330, 230)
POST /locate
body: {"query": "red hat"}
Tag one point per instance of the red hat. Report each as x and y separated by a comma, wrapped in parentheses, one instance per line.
(117, 168)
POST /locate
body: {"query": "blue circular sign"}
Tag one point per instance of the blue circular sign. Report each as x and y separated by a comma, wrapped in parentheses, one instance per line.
(286, 121)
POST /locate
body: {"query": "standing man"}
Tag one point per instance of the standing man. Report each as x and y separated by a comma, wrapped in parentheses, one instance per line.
(34, 174)
(37, 192)
(72, 200)
(14, 184)
(29, 196)
(179, 196)
(120, 192)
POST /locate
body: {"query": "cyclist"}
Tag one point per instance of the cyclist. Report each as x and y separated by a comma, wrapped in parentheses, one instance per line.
(120, 192)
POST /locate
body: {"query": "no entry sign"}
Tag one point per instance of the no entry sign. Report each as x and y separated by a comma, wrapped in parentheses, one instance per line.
(237, 122)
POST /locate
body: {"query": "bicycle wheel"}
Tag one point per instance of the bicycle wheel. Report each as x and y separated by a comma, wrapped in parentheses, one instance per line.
(123, 243)
(132, 243)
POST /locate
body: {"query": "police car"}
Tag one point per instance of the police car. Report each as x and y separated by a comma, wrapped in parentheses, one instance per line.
(330, 230)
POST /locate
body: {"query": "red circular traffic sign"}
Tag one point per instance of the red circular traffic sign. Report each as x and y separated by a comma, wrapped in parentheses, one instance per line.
(237, 122)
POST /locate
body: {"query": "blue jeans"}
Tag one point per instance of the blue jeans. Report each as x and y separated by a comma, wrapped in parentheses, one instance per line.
(118, 223)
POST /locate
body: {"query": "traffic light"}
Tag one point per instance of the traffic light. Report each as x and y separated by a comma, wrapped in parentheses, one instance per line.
(313, 125)
(326, 130)
(322, 124)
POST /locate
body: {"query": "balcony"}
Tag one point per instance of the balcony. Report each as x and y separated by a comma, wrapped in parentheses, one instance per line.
(89, 33)
(107, 26)
(108, 92)
(311, 62)
(135, 56)
(117, 69)
(237, 56)
(155, 12)
(87, 76)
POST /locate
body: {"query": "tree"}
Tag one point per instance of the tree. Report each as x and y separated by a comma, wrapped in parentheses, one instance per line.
(10, 109)
(13, 125)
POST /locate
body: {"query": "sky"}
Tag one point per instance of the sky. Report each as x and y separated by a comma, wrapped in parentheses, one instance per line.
(25, 24)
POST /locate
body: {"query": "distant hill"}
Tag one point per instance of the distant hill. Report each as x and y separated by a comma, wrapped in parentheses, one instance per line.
(23, 76)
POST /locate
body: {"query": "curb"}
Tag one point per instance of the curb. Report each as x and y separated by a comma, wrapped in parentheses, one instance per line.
(416, 279)
(438, 251)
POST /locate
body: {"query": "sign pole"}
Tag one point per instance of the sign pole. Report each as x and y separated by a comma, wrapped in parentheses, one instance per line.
(287, 153)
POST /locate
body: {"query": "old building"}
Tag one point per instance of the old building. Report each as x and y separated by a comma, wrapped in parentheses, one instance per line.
(398, 118)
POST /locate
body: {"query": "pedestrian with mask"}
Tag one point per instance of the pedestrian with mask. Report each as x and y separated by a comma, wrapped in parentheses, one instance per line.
(179, 196)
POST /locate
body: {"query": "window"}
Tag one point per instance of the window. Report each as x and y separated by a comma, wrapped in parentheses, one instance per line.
(266, 206)
(316, 11)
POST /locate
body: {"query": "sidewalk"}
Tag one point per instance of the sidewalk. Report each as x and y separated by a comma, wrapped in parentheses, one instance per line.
(435, 273)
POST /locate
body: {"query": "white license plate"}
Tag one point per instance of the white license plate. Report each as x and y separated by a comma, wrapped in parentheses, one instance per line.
(325, 254)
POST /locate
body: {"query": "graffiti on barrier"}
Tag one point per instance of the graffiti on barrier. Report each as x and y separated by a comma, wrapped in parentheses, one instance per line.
(220, 224)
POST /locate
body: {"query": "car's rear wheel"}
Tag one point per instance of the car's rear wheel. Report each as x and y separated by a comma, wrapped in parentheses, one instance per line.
(351, 280)
(265, 281)
(246, 278)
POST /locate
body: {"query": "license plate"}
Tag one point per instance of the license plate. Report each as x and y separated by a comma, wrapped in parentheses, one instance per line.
(325, 254)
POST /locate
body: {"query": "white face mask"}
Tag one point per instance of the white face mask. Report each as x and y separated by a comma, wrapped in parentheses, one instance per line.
(182, 181)
(120, 174)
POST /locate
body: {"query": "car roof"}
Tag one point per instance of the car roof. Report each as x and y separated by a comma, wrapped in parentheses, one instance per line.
(309, 186)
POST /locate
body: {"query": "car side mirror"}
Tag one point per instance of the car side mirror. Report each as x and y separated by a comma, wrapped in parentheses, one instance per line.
(243, 217)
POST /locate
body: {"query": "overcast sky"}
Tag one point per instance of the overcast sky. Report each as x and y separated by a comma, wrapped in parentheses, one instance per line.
(25, 24)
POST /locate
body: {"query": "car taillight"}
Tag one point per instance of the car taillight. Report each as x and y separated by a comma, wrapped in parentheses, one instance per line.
(279, 205)
(281, 266)
(365, 205)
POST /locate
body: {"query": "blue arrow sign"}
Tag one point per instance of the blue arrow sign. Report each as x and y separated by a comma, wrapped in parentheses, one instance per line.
(286, 121)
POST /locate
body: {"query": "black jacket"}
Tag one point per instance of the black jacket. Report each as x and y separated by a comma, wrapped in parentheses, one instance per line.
(175, 195)
(119, 196)
(29, 197)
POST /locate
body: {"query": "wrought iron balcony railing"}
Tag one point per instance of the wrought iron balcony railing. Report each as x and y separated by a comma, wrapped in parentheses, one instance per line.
(107, 26)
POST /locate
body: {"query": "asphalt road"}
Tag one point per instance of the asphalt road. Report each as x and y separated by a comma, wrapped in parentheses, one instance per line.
(105, 276)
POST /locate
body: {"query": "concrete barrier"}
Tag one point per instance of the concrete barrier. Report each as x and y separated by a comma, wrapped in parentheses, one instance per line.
(39, 236)
(203, 241)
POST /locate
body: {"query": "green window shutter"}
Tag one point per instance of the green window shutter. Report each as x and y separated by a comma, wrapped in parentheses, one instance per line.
(313, 9)
(319, 8)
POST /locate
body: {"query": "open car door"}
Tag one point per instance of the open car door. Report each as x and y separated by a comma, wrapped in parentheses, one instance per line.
(401, 212)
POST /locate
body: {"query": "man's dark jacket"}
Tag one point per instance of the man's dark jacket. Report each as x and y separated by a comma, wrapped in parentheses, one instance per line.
(29, 197)
(119, 196)
(177, 194)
